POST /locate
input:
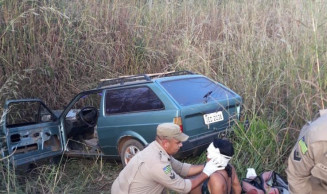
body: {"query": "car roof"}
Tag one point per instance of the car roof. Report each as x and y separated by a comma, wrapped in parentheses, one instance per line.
(141, 78)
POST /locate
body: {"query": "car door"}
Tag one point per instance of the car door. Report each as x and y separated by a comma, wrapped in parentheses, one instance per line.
(134, 112)
(31, 132)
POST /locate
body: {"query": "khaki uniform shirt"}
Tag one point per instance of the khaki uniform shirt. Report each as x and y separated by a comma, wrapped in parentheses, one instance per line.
(307, 163)
(151, 171)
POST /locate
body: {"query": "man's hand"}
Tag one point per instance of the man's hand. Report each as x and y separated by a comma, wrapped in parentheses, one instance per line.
(213, 165)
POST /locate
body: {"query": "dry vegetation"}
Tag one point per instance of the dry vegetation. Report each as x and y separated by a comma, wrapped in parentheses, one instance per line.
(272, 53)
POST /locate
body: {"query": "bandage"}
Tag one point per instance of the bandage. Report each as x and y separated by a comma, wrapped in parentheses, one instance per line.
(215, 153)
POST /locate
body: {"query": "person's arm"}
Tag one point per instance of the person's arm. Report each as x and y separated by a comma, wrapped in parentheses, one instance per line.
(164, 174)
(195, 169)
(184, 169)
(208, 170)
(197, 180)
(236, 186)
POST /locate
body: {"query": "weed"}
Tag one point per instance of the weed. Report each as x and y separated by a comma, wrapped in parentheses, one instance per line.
(272, 53)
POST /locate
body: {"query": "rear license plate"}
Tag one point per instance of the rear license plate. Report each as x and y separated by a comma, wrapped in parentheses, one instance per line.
(213, 117)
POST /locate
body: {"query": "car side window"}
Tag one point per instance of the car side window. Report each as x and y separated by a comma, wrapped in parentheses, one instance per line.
(27, 113)
(132, 100)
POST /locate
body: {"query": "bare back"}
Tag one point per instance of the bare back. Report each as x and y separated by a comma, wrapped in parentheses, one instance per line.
(220, 182)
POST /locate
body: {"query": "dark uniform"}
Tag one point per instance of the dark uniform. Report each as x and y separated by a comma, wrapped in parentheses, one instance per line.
(307, 163)
(151, 171)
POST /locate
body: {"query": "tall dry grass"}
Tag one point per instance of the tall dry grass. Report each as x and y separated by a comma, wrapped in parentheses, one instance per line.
(272, 53)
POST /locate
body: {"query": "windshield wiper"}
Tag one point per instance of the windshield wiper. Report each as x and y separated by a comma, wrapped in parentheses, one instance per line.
(206, 96)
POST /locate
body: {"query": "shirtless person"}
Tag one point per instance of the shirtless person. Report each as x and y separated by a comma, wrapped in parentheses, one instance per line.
(221, 181)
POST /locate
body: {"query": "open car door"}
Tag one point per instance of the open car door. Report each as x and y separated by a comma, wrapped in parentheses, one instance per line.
(31, 132)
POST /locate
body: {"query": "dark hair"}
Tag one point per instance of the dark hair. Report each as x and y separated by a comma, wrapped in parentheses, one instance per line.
(226, 148)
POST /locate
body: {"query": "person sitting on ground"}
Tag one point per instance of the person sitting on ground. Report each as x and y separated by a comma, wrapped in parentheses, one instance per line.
(154, 169)
(221, 181)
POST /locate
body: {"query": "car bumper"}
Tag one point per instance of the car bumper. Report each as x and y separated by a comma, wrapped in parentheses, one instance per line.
(197, 146)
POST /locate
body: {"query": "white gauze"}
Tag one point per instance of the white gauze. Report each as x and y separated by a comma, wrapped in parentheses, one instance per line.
(213, 152)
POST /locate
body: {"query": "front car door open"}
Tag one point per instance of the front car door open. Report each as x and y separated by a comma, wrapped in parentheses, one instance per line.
(31, 132)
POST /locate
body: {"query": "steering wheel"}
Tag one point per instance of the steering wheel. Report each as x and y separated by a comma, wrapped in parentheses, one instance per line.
(89, 115)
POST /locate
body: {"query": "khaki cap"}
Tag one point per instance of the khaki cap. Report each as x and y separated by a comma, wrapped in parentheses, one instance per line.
(171, 130)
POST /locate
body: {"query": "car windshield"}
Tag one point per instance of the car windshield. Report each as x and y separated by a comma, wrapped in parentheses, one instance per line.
(195, 90)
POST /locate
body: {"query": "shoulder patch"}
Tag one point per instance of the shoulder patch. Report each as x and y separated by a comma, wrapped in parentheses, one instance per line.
(168, 171)
(303, 145)
(296, 155)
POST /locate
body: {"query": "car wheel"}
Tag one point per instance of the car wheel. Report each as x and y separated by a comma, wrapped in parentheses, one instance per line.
(129, 149)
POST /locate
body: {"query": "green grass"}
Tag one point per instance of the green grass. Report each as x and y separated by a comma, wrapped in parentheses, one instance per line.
(70, 176)
(257, 145)
(262, 147)
(272, 53)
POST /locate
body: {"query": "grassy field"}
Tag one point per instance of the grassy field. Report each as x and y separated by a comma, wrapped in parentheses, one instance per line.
(273, 53)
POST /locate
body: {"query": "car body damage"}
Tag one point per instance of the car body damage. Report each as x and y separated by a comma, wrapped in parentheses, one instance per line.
(31, 131)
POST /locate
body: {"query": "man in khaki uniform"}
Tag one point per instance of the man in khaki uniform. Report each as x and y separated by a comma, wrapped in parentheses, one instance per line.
(307, 163)
(154, 169)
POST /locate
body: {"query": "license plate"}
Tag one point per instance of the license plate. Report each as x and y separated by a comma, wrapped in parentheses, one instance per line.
(213, 117)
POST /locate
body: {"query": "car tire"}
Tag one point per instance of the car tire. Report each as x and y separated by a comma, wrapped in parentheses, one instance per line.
(129, 149)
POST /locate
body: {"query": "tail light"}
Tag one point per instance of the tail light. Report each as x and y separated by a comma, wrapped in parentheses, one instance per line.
(178, 121)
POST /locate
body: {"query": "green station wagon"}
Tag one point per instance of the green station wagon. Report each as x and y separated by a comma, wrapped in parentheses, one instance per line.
(119, 118)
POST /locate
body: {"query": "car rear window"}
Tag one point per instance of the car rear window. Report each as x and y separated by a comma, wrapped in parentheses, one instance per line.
(132, 100)
(195, 90)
